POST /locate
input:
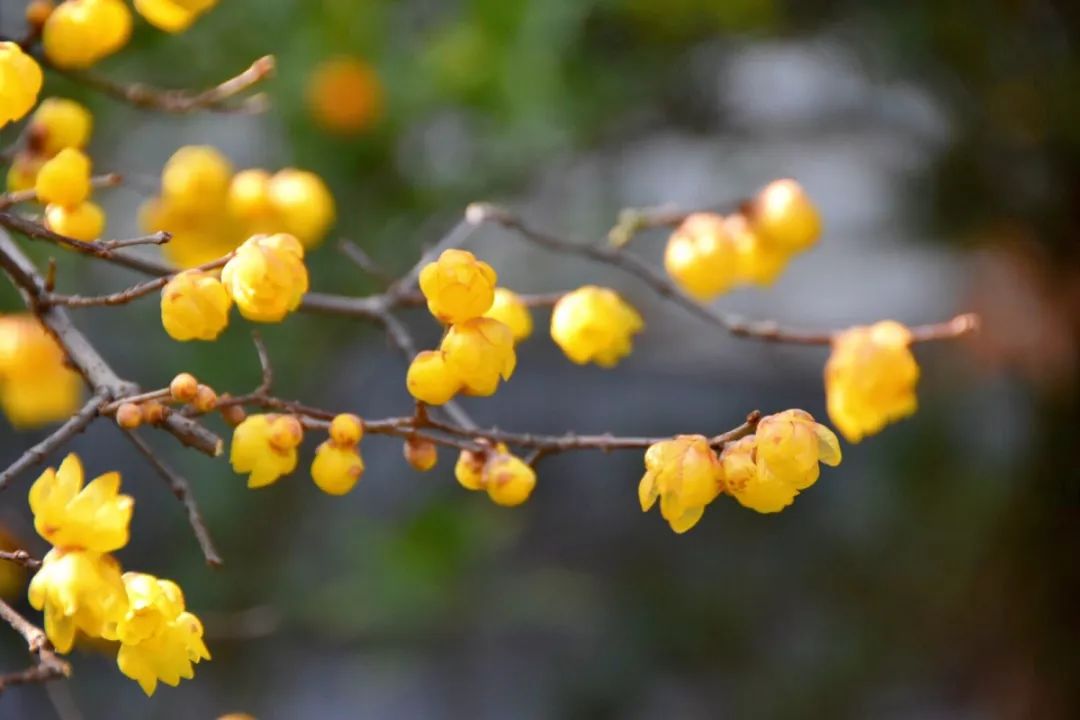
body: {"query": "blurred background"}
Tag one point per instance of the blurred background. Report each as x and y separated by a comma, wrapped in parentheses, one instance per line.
(932, 575)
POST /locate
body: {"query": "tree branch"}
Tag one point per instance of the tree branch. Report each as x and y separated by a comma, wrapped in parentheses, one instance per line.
(37, 454)
(48, 666)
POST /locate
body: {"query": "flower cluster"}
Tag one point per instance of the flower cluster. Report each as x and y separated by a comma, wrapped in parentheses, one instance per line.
(477, 351)
(265, 277)
(57, 124)
(210, 211)
(709, 254)
(36, 385)
(20, 82)
(763, 471)
(266, 448)
(870, 379)
(79, 33)
(507, 479)
(80, 588)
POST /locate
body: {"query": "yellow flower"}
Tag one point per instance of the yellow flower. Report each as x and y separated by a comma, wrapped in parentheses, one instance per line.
(78, 590)
(173, 16)
(78, 33)
(757, 261)
(85, 221)
(249, 200)
(785, 217)
(36, 386)
(700, 256)
(509, 309)
(265, 446)
(194, 177)
(870, 379)
(508, 479)
(198, 235)
(159, 639)
(458, 287)
(70, 516)
(767, 470)
(267, 277)
(64, 180)
(303, 204)
(344, 95)
(685, 474)
(20, 82)
(194, 306)
(430, 379)
(336, 468)
(593, 324)
(59, 123)
(480, 352)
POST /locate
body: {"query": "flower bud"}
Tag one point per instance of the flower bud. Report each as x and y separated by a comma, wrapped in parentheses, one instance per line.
(153, 412)
(593, 324)
(784, 216)
(286, 432)
(64, 180)
(430, 380)
(78, 34)
(59, 123)
(20, 82)
(129, 416)
(479, 352)
(172, 16)
(420, 453)
(336, 469)
(508, 479)
(346, 430)
(194, 306)
(700, 256)
(193, 176)
(469, 470)
(184, 387)
(205, 398)
(85, 221)
(509, 309)
(303, 203)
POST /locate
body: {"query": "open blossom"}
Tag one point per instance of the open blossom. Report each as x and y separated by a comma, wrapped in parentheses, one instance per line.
(685, 474)
(159, 639)
(78, 590)
(36, 385)
(458, 287)
(194, 306)
(510, 310)
(172, 16)
(480, 352)
(265, 446)
(593, 324)
(20, 82)
(700, 256)
(765, 471)
(267, 277)
(71, 516)
(870, 379)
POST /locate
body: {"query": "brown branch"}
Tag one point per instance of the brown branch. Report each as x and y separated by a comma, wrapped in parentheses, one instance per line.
(457, 236)
(21, 557)
(97, 373)
(768, 331)
(215, 99)
(134, 292)
(48, 665)
(182, 491)
(37, 231)
(37, 454)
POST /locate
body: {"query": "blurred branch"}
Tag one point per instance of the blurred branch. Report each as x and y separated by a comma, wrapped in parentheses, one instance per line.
(20, 557)
(37, 454)
(182, 490)
(216, 99)
(48, 665)
(30, 195)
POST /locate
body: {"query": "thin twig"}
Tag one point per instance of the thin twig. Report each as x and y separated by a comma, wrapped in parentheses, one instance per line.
(365, 262)
(609, 255)
(37, 454)
(216, 99)
(48, 666)
(20, 557)
(457, 236)
(97, 373)
(37, 231)
(134, 292)
(182, 491)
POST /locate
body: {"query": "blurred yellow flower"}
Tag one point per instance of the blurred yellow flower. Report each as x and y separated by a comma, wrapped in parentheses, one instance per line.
(509, 309)
(593, 324)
